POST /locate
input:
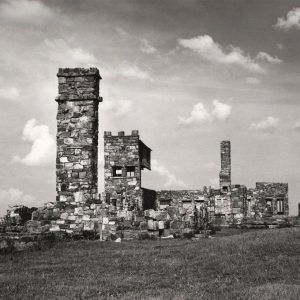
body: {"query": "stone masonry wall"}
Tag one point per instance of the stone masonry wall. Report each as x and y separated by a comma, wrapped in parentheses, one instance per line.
(122, 151)
(225, 173)
(179, 197)
(77, 136)
(272, 192)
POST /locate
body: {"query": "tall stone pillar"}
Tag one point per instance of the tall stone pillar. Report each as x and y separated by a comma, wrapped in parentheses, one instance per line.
(225, 174)
(77, 136)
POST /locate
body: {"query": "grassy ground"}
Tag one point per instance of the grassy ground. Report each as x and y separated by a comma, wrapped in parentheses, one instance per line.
(261, 264)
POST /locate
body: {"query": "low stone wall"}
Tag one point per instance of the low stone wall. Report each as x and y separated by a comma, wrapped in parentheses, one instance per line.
(55, 217)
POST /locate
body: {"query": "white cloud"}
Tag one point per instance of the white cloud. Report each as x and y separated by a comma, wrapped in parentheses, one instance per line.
(253, 80)
(26, 11)
(171, 179)
(200, 114)
(208, 49)
(270, 124)
(10, 93)
(59, 51)
(267, 57)
(43, 145)
(292, 20)
(126, 69)
(221, 110)
(117, 107)
(146, 47)
(13, 197)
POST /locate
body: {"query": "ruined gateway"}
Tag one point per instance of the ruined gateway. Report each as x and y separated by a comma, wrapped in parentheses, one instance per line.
(79, 207)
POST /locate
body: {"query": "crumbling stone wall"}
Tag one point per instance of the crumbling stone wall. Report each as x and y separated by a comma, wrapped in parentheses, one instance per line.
(124, 158)
(238, 199)
(77, 135)
(181, 198)
(272, 198)
(77, 205)
(223, 207)
(225, 173)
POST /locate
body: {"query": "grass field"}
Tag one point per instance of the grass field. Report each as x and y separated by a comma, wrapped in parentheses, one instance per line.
(262, 264)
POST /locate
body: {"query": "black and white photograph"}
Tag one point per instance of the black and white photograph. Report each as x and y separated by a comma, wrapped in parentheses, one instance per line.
(150, 149)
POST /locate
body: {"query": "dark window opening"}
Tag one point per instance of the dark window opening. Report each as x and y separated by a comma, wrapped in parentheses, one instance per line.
(107, 199)
(63, 187)
(269, 205)
(117, 171)
(166, 202)
(114, 202)
(225, 189)
(130, 171)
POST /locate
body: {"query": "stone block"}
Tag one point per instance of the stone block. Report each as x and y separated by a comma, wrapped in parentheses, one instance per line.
(68, 165)
(161, 225)
(63, 198)
(162, 216)
(63, 159)
(85, 217)
(77, 151)
(105, 220)
(78, 220)
(49, 205)
(78, 211)
(82, 175)
(78, 166)
(150, 214)
(54, 228)
(152, 225)
(64, 216)
(79, 196)
(89, 226)
(69, 141)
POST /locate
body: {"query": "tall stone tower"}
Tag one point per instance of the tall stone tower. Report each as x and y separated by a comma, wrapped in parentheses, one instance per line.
(225, 173)
(77, 136)
(125, 156)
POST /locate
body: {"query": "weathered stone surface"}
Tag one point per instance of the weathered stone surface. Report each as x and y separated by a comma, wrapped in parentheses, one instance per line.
(124, 158)
(77, 134)
(225, 173)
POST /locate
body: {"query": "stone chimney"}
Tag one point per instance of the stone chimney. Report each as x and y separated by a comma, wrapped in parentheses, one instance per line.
(225, 173)
(77, 136)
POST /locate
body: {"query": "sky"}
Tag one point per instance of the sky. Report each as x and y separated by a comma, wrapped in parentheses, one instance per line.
(186, 74)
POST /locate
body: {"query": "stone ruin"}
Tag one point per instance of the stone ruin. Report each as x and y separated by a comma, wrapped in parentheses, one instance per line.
(125, 156)
(126, 209)
(233, 203)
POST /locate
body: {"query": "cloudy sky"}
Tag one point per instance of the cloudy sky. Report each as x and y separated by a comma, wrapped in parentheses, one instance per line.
(186, 74)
